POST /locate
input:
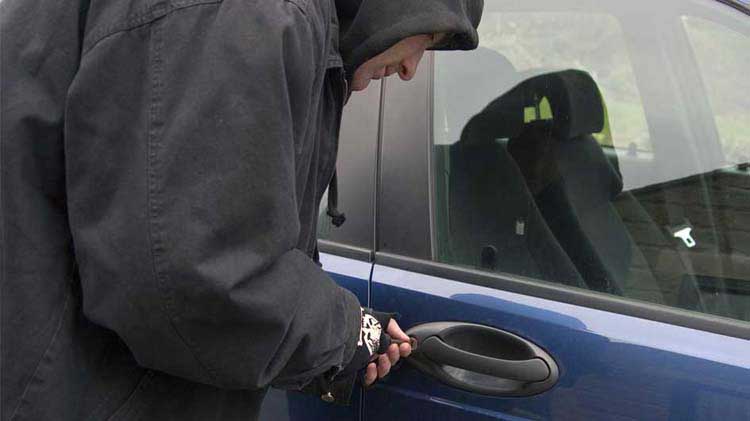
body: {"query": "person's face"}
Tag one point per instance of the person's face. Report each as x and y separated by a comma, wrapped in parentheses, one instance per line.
(403, 58)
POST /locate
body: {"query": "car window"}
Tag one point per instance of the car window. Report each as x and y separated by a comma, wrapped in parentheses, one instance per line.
(529, 43)
(525, 180)
(723, 57)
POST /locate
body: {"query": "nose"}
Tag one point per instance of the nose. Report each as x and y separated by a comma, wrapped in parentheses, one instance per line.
(408, 67)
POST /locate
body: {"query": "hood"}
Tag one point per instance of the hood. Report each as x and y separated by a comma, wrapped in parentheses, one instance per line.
(369, 27)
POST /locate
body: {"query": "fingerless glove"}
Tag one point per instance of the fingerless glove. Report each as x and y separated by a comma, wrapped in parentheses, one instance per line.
(337, 385)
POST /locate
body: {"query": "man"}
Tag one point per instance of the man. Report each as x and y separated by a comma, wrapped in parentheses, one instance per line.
(162, 165)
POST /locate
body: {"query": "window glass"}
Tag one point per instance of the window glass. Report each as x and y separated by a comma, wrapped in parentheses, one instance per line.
(723, 57)
(525, 180)
(545, 41)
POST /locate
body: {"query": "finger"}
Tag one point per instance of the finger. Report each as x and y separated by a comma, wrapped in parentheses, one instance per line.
(384, 366)
(393, 353)
(404, 349)
(395, 331)
(391, 70)
(371, 374)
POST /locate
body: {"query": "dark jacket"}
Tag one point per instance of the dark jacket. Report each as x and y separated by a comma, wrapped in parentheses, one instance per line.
(162, 162)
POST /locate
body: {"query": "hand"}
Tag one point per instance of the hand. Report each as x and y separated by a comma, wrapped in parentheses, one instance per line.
(382, 363)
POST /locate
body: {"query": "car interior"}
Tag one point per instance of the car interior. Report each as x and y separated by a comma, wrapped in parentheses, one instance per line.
(528, 190)
(548, 185)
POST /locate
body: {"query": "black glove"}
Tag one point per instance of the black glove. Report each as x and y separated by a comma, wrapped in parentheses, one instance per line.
(373, 340)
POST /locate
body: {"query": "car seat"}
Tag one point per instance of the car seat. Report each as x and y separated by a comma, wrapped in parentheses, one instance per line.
(574, 184)
(492, 220)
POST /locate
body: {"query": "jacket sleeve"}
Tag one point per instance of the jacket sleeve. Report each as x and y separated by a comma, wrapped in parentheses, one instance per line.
(186, 140)
(369, 27)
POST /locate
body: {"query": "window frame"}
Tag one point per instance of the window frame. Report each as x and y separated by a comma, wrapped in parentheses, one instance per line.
(405, 193)
(359, 141)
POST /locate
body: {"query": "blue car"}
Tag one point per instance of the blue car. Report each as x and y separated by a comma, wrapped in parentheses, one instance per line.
(561, 218)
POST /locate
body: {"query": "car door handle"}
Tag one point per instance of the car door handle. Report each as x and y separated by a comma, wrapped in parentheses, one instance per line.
(530, 370)
(482, 359)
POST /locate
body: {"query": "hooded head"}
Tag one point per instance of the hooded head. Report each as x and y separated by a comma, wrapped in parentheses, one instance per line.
(383, 37)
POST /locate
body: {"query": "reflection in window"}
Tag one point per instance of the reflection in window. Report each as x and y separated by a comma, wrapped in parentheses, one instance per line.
(724, 60)
(539, 42)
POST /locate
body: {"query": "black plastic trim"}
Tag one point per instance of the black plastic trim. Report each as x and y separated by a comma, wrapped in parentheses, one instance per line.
(403, 201)
(347, 251)
(378, 163)
(565, 294)
(735, 5)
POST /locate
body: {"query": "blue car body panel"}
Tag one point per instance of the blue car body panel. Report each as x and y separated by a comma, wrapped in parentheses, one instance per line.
(612, 366)
(281, 405)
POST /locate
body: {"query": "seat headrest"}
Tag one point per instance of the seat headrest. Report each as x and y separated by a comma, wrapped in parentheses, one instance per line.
(574, 99)
(577, 105)
(501, 118)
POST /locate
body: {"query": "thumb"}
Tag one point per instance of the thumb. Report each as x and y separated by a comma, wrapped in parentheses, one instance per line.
(395, 331)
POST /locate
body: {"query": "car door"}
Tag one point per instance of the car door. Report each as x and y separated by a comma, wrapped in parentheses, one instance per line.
(562, 217)
(346, 252)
